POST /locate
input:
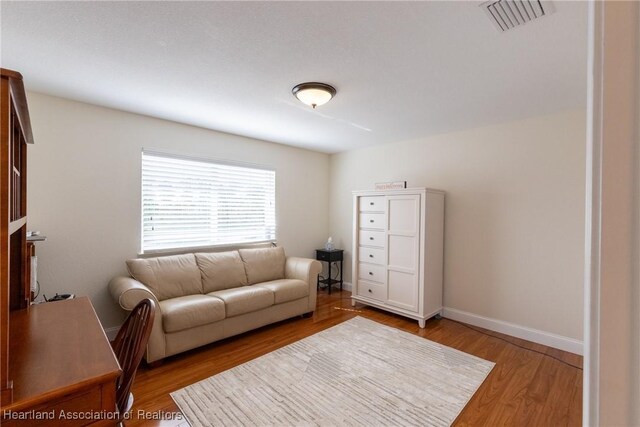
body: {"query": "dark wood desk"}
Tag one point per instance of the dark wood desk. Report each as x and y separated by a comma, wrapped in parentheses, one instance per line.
(60, 360)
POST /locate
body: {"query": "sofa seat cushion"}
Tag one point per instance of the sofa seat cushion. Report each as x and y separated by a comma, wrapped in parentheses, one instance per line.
(190, 311)
(168, 276)
(286, 289)
(221, 270)
(263, 264)
(245, 299)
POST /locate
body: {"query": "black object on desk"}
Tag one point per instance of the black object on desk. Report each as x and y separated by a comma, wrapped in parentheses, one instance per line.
(330, 257)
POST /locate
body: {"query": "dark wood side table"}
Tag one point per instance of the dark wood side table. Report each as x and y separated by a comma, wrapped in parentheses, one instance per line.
(330, 257)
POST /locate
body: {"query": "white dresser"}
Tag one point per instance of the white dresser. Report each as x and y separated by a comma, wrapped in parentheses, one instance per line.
(398, 251)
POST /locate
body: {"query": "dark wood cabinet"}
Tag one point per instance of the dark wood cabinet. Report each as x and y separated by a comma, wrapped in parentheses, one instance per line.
(15, 134)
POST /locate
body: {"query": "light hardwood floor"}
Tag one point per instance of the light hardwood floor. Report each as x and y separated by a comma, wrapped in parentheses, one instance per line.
(525, 388)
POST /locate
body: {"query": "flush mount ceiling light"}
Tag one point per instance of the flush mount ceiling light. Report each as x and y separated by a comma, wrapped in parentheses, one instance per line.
(314, 94)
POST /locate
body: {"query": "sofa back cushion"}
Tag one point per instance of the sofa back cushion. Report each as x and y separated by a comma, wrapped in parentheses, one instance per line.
(222, 270)
(168, 276)
(263, 265)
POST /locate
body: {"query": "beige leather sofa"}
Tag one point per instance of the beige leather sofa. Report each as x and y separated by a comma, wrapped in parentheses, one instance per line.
(205, 297)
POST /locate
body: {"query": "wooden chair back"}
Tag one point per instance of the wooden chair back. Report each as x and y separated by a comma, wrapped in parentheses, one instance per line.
(129, 347)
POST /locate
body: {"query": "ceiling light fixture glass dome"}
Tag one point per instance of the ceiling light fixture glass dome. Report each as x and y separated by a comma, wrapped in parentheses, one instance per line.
(313, 93)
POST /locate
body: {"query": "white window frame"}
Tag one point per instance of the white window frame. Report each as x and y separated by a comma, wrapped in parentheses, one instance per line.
(214, 231)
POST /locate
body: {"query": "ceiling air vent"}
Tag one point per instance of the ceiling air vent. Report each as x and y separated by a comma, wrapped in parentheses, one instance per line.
(508, 14)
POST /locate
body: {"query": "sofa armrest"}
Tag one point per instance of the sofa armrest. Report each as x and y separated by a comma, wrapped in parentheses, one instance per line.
(128, 293)
(307, 270)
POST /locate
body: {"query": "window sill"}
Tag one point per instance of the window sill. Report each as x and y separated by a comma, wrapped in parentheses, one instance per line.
(215, 248)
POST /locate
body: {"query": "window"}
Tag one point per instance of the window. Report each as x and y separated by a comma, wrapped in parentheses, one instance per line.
(190, 203)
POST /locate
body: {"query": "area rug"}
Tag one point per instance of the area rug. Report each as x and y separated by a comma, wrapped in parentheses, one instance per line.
(358, 373)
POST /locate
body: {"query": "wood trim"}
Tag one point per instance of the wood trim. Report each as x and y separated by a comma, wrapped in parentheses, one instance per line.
(22, 111)
(5, 182)
(23, 179)
(17, 225)
(11, 74)
(16, 85)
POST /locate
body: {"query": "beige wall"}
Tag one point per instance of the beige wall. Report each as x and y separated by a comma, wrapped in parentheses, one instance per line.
(514, 221)
(84, 190)
(514, 230)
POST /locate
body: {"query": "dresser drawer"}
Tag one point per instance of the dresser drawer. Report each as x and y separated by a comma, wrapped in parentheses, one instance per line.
(371, 255)
(371, 203)
(372, 220)
(373, 272)
(371, 238)
(372, 290)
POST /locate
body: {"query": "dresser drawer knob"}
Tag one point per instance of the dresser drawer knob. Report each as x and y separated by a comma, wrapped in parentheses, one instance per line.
(371, 204)
(370, 274)
(371, 221)
(370, 290)
(370, 256)
(370, 238)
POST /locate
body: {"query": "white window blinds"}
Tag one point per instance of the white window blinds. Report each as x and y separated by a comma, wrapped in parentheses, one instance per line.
(194, 203)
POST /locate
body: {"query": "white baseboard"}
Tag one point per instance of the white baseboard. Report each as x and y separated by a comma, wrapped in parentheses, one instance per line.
(560, 342)
(546, 338)
(111, 332)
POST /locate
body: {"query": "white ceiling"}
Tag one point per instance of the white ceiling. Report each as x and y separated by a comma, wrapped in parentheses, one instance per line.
(402, 69)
